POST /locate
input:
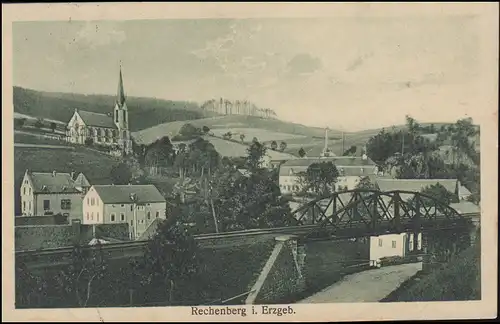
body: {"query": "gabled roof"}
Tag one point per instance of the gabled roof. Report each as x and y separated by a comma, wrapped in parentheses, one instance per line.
(96, 120)
(415, 185)
(52, 182)
(82, 181)
(120, 194)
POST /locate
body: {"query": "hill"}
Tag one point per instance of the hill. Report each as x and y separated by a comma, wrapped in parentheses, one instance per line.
(96, 166)
(237, 124)
(143, 112)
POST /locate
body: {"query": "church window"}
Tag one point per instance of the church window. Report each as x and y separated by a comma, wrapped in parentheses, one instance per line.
(124, 116)
(116, 115)
(124, 134)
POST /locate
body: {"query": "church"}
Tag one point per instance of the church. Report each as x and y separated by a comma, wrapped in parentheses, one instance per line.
(86, 127)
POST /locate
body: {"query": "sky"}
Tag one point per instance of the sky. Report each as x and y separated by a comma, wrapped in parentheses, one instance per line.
(349, 73)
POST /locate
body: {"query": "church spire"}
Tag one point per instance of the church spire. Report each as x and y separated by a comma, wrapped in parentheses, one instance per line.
(120, 96)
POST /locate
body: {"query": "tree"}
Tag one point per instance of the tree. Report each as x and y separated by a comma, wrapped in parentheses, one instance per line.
(254, 140)
(53, 126)
(242, 137)
(121, 174)
(20, 122)
(274, 145)
(188, 131)
(438, 192)
(170, 257)
(320, 178)
(302, 153)
(89, 141)
(206, 129)
(350, 151)
(282, 146)
(39, 123)
(255, 152)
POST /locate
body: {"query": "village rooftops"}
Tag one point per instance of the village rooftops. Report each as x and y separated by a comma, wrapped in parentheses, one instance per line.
(52, 182)
(94, 119)
(126, 194)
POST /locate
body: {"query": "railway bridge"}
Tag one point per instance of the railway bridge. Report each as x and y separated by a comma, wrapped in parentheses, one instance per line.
(349, 214)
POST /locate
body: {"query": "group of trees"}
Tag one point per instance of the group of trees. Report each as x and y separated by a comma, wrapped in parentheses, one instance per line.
(282, 146)
(409, 155)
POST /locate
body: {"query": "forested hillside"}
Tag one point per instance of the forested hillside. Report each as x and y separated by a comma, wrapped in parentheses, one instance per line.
(143, 112)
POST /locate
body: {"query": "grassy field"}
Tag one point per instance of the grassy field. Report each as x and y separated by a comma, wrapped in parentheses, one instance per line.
(96, 166)
(262, 135)
(459, 280)
(36, 139)
(228, 122)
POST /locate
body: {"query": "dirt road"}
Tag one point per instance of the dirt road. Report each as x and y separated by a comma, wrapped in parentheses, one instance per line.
(367, 286)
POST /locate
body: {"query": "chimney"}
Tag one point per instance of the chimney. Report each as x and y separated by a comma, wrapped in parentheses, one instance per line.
(54, 173)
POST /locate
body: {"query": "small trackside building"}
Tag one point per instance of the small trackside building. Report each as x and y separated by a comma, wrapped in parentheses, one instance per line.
(137, 205)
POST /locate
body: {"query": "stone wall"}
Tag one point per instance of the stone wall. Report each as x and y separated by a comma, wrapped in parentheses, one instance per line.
(41, 220)
(43, 237)
(282, 277)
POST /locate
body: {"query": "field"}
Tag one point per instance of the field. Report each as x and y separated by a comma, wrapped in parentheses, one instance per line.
(226, 123)
(27, 138)
(96, 166)
(262, 135)
(235, 149)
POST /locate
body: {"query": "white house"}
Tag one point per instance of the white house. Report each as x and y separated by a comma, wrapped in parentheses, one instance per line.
(351, 170)
(49, 193)
(137, 205)
(102, 129)
(391, 245)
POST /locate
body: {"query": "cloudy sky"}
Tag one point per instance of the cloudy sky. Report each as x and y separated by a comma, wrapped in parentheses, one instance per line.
(349, 73)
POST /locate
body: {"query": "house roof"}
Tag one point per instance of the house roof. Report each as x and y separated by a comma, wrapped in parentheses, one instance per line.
(96, 119)
(464, 191)
(465, 207)
(415, 185)
(115, 194)
(348, 166)
(82, 181)
(52, 182)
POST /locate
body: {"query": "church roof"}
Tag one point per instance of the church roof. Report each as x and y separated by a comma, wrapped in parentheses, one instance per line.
(82, 181)
(96, 119)
(120, 95)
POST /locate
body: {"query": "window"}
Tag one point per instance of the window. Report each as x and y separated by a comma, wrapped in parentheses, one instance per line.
(92, 216)
(393, 244)
(131, 207)
(88, 216)
(29, 191)
(131, 223)
(29, 205)
(379, 242)
(92, 201)
(24, 205)
(112, 217)
(65, 203)
(149, 215)
(116, 115)
(24, 190)
(142, 221)
(122, 216)
(124, 116)
(157, 214)
(88, 201)
(122, 205)
(46, 204)
(97, 216)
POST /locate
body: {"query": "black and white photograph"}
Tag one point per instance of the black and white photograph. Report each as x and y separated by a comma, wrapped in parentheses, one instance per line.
(244, 167)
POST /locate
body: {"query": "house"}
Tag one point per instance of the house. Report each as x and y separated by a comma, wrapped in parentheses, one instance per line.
(137, 205)
(351, 170)
(103, 129)
(392, 245)
(49, 193)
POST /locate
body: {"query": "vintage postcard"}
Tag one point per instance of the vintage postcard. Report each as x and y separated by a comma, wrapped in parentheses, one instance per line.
(249, 161)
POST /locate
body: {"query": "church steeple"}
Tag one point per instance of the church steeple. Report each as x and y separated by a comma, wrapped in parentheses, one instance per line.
(120, 95)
